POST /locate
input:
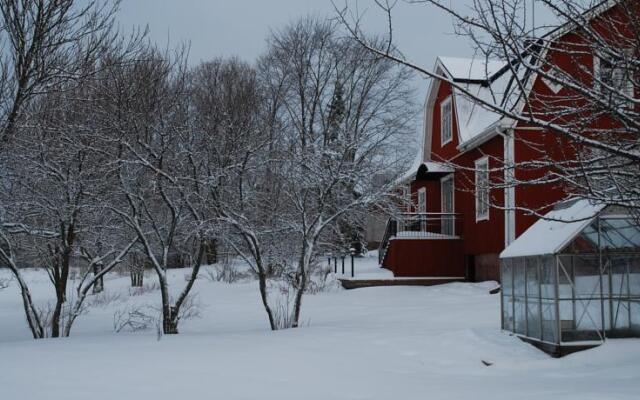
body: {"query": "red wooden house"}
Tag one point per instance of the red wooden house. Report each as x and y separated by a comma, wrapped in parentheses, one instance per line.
(448, 228)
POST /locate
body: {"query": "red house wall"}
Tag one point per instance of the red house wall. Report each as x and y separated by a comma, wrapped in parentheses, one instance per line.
(484, 240)
(573, 55)
(433, 258)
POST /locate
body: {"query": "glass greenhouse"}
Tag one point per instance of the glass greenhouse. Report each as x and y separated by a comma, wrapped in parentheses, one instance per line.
(567, 286)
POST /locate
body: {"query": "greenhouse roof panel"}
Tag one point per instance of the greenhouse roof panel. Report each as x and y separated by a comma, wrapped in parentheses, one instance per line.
(554, 231)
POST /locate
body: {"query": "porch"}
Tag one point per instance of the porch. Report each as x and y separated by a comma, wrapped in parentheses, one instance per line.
(424, 245)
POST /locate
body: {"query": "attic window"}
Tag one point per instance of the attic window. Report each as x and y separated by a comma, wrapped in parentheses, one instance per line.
(446, 121)
(613, 73)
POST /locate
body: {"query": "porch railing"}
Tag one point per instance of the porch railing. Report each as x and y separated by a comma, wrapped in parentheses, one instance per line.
(421, 226)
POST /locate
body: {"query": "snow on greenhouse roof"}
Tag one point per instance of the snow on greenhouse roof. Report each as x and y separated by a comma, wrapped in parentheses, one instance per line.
(552, 233)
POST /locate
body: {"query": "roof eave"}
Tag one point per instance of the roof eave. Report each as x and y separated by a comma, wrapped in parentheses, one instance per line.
(487, 134)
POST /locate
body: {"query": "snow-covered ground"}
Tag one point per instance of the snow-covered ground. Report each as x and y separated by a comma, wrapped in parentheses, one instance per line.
(374, 343)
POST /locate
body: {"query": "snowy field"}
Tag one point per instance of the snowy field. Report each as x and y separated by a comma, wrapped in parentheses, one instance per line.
(377, 343)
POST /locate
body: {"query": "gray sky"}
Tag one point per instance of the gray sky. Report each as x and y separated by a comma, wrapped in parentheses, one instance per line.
(239, 27)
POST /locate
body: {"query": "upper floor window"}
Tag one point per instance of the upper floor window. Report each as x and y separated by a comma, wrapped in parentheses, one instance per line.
(482, 189)
(422, 200)
(617, 74)
(446, 121)
(406, 198)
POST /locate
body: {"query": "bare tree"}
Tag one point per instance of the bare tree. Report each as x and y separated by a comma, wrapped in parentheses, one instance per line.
(163, 195)
(56, 178)
(588, 57)
(56, 190)
(40, 42)
(329, 153)
(237, 124)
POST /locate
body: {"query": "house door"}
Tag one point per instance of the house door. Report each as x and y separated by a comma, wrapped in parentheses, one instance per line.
(447, 190)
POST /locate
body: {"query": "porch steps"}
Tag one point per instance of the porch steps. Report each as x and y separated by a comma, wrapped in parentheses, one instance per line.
(351, 283)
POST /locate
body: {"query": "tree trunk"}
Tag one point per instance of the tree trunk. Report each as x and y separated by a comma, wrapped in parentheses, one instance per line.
(169, 320)
(303, 267)
(33, 318)
(98, 287)
(262, 278)
(64, 261)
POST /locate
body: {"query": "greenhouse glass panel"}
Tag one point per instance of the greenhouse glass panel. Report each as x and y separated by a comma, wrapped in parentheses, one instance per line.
(548, 278)
(534, 322)
(580, 305)
(519, 278)
(520, 316)
(549, 325)
(619, 234)
(506, 277)
(548, 299)
(634, 284)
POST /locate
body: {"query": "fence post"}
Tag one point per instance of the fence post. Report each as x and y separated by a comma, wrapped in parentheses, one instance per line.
(342, 264)
(352, 270)
(335, 264)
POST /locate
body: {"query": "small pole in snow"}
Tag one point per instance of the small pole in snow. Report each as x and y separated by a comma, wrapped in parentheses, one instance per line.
(335, 264)
(342, 264)
(353, 252)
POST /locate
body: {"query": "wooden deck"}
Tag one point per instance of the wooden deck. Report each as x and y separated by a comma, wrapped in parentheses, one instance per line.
(351, 283)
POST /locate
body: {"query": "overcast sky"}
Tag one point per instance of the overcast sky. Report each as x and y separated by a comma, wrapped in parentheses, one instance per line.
(239, 27)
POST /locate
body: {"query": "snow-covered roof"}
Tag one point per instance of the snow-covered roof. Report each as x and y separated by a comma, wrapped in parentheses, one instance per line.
(437, 167)
(555, 231)
(492, 81)
(470, 68)
(432, 167)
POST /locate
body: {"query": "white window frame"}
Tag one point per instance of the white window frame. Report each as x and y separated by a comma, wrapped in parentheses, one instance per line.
(446, 219)
(422, 208)
(422, 200)
(446, 102)
(406, 197)
(628, 89)
(482, 190)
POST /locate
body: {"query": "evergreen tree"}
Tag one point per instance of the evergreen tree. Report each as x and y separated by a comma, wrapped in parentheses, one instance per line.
(336, 114)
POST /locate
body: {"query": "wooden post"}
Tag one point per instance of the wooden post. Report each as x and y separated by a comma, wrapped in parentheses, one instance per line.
(352, 269)
(342, 265)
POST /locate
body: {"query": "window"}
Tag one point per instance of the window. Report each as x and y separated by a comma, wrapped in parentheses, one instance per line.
(448, 209)
(422, 208)
(614, 73)
(406, 198)
(446, 121)
(482, 189)
(422, 200)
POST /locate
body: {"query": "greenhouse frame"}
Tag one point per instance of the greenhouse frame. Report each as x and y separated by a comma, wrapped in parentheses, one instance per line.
(572, 280)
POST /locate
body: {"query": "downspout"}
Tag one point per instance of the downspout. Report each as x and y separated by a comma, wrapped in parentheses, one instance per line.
(509, 191)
